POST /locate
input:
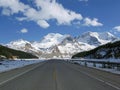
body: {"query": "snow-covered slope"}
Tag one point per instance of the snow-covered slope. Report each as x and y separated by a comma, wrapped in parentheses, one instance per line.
(23, 45)
(50, 40)
(7, 65)
(58, 45)
(18, 44)
(107, 51)
(94, 38)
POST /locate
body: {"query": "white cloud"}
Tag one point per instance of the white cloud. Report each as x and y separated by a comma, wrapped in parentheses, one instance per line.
(43, 24)
(117, 28)
(90, 22)
(47, 10)
(56, 11)
(12, 6)
(24, 30)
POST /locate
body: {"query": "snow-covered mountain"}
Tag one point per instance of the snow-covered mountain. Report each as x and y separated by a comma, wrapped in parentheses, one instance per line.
(95, 38)
(50, 40)
(55, 45)
(107, 51)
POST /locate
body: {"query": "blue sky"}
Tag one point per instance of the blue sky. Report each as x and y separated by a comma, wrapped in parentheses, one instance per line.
(33, 19)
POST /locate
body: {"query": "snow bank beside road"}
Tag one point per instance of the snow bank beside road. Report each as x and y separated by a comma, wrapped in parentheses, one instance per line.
(7, 65)
(97, 63)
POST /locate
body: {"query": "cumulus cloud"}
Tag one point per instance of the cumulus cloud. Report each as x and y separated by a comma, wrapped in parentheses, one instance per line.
(90, 22)
(50, 9)
(24, 30)
(43, 24)
(46, 10)
(117, 28)
(12, 6)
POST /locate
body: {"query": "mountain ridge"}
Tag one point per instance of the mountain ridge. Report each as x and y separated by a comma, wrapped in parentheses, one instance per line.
(55, 45)
(9, 53)
(107, 51)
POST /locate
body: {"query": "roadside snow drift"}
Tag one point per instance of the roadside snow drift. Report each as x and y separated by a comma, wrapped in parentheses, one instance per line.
(7, 65)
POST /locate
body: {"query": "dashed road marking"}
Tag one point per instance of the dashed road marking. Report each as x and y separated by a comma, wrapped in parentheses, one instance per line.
(55, 77)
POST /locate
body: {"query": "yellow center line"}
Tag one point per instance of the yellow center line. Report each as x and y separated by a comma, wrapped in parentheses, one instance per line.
(54, 73)
(55, 77)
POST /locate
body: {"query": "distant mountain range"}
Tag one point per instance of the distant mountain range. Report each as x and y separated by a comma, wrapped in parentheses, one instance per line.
(55, 45)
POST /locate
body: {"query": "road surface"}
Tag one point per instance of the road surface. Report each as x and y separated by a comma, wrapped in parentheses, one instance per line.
(58, 75)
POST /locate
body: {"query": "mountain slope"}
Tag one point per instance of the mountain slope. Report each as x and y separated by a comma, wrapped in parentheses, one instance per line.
(50, 40)
(95, 38)
(62, 46)
(110, 50)
(10, 53)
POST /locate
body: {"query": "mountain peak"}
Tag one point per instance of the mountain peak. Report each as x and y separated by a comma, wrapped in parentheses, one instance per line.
(19, 42)
(95, 34)
(53, 35)
(107, 36)
(52, 39)
(63, 45)
(96, 38)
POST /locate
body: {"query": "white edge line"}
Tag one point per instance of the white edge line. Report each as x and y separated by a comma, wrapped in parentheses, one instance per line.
(18, 75)
(109, 84)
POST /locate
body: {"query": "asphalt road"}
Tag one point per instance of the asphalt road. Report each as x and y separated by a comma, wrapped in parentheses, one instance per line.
(58, 75)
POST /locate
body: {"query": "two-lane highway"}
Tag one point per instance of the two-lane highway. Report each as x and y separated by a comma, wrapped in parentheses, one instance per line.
(59, 75)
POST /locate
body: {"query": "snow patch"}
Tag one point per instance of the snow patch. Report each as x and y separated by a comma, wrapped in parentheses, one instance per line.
(98, 65)
(7, 65)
